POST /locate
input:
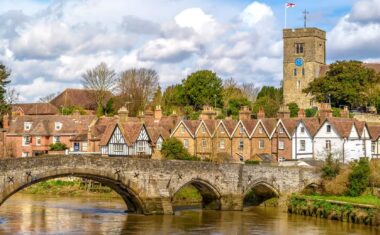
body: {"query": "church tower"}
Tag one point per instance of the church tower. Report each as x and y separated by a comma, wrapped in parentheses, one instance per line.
(304, 55)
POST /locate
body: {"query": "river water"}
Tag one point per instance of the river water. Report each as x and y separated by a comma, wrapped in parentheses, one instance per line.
(29, 214)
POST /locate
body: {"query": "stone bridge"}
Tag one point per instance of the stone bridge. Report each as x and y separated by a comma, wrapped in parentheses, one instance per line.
(148, 186)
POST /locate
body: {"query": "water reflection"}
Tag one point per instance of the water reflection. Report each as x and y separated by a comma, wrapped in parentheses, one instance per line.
(24, 214)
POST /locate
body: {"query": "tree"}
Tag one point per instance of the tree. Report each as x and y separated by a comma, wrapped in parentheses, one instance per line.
(271, 92)
(172, 148)
(250, 91)
(101, 80)
(359, 177)
(11, 96)
(293, 108)
(311, 112)
(157, 98)
(269, 105)
(4, 75)
(48, 98)
(137, 86)
(203, 87)
(234, 106)
(346, 83)
(231, 91)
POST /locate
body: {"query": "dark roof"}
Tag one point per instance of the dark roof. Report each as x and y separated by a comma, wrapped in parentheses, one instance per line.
(35, 109)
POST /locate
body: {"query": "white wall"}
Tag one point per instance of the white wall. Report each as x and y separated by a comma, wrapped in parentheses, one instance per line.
(296, 139)
(320, 152)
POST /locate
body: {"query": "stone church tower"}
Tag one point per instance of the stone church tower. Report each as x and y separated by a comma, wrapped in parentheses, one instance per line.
(304, 55)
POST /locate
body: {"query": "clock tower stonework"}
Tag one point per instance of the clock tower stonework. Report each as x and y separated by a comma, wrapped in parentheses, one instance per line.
(304, 55)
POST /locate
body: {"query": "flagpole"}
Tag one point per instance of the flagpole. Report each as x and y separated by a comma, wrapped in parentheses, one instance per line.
(286, 17)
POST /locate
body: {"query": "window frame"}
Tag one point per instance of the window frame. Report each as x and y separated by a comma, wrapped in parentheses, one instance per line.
(186, 143)
(38, 141)
(141, 145)
(261, 144)
(222, 146)
(328, 128)
(299, 48)
(118, 148)
(241, 144)
(56, 139)
(25, 142)
(281, 145)
(302, 145)
(328, 145)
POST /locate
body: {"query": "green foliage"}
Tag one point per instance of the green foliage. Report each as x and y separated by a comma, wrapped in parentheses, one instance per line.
(359, 178)
(157, 98)
(4, 75)
(194, 115)
(71, 109)
(109, 110)
(311, 112)
(57, 147)
(252, 162)
(336, 112)
(331, 167)
(203, 87)
(269, 105)
(234, 106)
(271, 92)
(172, 148)
(293, 108)
(173, 96)
(348, 83)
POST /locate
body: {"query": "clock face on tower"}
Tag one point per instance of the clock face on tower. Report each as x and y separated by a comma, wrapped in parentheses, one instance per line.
(299, 62)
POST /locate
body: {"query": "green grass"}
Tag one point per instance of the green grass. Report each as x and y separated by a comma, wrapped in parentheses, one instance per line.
(364, 199)
(188, 194)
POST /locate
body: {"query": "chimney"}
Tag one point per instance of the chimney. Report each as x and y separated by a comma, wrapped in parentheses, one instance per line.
(244, 113)
(301, 113)
(344, 113)
(325, 111)
(283, 112)
(123, 114)
(148, 113)
(157, 112)
(6, 121)
(208, 113)
(261, 113)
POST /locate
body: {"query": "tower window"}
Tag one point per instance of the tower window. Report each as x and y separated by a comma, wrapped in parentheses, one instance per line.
(295, 72)
(303, 71)
(298, 84)
(299, 48)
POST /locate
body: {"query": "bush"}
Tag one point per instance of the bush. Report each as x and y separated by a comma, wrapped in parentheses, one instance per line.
(293, 108)
(252, 162)
(58, 147)
(375, 173)
(331, 168)
(359, 177)
(311, 112)
(172, 148)
(339, 184)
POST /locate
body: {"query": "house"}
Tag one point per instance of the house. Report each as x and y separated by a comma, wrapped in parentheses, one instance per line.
(31, 135)
(33, 109)
(260, 140)
(185, 132)
(375, 137)
(302, 138)
(204, 138)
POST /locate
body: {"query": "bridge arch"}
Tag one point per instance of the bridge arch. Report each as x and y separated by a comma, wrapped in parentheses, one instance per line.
(259, 191)
(128, 192)
(211, 196)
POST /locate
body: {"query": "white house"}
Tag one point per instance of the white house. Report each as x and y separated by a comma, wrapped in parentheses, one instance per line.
(347, 139)
(302, 138)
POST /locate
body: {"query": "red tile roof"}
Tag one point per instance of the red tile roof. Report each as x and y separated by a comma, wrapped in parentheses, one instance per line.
(374, 131)
(312, 125)
(35, 109)
(250, 125)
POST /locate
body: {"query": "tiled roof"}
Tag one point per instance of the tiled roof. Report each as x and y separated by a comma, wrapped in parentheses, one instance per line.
(35, 109)
(269, 124)
(342, 125)
(312, 125)
(155, 132)
(250, 125)
(211, 125)
(230, 125)
(374, 131)
(192, 125)
(45, 125)
(290, 124)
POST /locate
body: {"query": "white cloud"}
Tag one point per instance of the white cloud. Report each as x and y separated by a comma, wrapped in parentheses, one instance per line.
(256, 13)
(366, 11)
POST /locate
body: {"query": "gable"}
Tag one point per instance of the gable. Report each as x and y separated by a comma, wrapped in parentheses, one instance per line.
(353, 133)
(260, 130)
(322, 132)
(221, 130)
(240, 130)
(202, 131)
(117, 137)
(299, 133)
(143, 136)
(278, 128)
(181, 131)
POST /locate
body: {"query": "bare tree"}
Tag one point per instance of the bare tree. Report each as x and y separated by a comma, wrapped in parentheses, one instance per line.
(48, 98)
(11, 96)
(101, 80)
(250, 91)
(137, 87)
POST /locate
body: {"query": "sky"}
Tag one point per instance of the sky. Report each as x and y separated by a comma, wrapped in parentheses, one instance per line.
(49, 44)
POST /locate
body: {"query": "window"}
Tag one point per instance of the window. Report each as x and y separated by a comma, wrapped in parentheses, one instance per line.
(328, 128)
(204, 143)
(25, 154)
(221, 129)
(58, 126)
(373, 147)
(140, 146)
(328, 145)
(280, 129)
(159, 144)
(261, 130)
(84, 146)
(186, 143)
(302, 129)
(26, 140)
(182, 129)
(118, 147)
(303, 71)
(241, 144)
(241, 129)
(56, 139)
(76, 146)
(302, 145)
(298, 84)
(27, 126)
(203, 129)
(38, 140)
(261, 144)
(281, 145)
(222, 145)
(299, 48)
(295, 72)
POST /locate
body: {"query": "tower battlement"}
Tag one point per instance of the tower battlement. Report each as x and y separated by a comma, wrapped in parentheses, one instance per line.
(304, 32)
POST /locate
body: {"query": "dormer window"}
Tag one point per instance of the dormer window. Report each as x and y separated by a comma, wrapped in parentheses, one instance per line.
(58, 126)
(203, 129)
(328, 128)
(261, 130)
(27, 126)
(241, 129)
(280, 129)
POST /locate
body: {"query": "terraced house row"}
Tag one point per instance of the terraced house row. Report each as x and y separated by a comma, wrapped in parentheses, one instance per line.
(269, 139)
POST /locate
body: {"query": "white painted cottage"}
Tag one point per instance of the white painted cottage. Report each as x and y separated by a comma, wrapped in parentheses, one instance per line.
(302, 138)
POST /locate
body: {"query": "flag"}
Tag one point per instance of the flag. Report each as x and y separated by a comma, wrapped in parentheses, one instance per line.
(289, 5)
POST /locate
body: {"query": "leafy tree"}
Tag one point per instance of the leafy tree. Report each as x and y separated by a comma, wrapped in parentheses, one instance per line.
(293, 108)
(331, 167)
(4, 75)
(173, 97)
(269, 105)
(58, 147)
(101, 80)
(234, 106)
(271, 92)
(109, 109)
(336, 112)
(346, 83)
(359, 177)
(203, 87)
(311, 112)
(172, 148)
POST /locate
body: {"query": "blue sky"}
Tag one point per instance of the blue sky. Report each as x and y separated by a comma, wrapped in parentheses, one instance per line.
(48, 44)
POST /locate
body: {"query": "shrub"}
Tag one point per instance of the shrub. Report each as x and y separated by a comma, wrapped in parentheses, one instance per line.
(172, 148)
(331, 168)
(223, 158)
(375, 173)
(58, 147)
(252, 162)
(359, 177)
(339, 184)
(293, 108)
(311, 112)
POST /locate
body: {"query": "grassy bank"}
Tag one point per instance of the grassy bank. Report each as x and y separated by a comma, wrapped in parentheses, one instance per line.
(364, 199)
(69, 188)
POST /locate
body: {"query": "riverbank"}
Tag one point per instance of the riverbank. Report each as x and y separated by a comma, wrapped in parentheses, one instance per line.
(358, 210)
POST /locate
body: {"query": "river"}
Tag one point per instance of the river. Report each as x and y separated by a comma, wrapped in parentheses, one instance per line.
(29, 214)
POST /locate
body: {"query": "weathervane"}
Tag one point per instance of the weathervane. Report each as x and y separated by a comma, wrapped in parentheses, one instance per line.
(305, 13)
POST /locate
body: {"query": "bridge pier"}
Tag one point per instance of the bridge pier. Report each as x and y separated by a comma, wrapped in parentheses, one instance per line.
(231, 202)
